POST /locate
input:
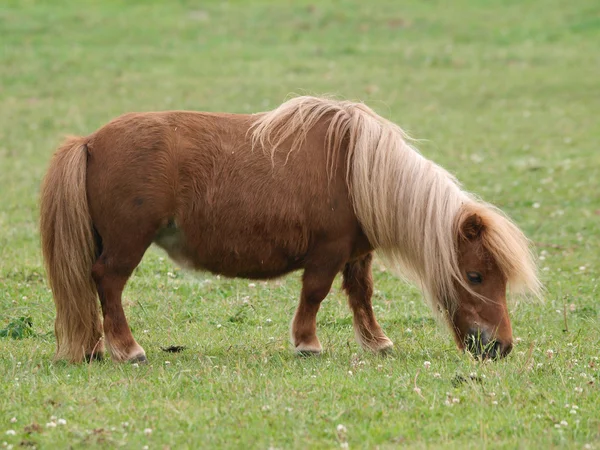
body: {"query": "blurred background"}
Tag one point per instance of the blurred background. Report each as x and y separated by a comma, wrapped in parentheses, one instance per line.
(504, 94)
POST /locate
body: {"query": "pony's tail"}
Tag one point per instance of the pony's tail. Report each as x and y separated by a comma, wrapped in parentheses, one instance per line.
(69, 250)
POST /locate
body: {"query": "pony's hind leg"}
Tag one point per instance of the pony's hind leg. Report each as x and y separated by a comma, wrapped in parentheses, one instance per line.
(111, 271)
(358, 284)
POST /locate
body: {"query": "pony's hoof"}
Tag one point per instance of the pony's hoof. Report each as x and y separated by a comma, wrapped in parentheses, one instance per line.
(380, 346)
(308, 353)
(139, 359)
(97, 356)
(386, 349)
(308, 350)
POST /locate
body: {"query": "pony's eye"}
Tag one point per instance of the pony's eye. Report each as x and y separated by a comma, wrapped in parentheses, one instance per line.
(474, 277)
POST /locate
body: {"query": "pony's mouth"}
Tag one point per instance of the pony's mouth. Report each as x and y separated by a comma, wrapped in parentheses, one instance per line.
(480, 345)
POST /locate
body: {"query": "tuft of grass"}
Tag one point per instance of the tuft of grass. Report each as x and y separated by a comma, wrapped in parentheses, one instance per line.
(505, 95)
(18, 328)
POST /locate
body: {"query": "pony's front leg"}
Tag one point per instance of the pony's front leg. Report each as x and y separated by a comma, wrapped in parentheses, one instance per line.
(316, 284)
(358, 284)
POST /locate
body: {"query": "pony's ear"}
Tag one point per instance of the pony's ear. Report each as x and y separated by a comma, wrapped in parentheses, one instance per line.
(472, 227)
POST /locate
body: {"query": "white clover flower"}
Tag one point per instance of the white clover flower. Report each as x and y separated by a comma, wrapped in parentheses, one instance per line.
(61, 422)
(13, 420)
(11, 432)
(341, 428)
(147, 431)
(51, 425)
(427, 364)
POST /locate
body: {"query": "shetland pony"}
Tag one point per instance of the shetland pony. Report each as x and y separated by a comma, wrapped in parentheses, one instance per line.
(315, 184)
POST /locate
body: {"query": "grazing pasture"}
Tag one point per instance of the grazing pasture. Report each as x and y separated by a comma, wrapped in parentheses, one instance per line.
(504, 95)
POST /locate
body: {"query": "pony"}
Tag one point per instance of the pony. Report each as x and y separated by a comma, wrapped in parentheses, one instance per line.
(316, 184)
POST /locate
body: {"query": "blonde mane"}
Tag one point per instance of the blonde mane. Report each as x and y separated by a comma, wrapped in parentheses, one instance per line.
(410, 208)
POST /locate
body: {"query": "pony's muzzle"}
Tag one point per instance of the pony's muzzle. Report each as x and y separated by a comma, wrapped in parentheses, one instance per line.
(480, 345)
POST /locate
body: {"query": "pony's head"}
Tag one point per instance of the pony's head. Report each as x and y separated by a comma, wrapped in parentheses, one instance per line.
(492, 254)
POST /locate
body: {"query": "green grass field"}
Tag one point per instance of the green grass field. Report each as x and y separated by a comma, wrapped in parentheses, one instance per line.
(506, 95)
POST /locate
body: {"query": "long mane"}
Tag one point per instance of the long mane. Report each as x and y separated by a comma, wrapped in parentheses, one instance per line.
(410, 208)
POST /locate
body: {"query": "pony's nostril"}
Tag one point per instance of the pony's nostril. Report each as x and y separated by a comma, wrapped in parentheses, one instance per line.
(479, 344)
(507, 348)
(476, 342)
(494, 350)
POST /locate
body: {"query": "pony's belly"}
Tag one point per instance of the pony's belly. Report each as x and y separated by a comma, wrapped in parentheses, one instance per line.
(244, 257)
(172, 239)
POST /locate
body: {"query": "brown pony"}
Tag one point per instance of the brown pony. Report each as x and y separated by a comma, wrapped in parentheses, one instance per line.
(315, 184)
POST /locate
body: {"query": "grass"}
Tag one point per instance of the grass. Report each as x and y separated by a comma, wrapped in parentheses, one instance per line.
(503, 94)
